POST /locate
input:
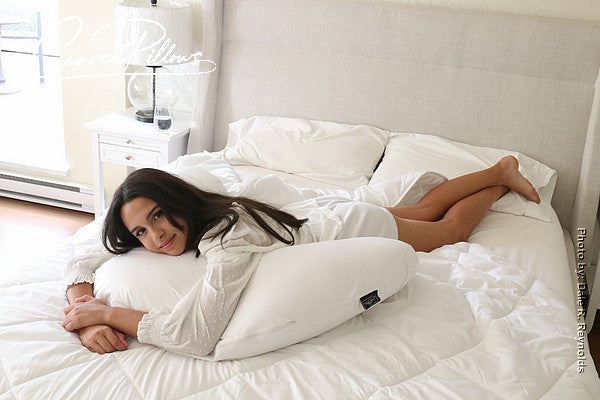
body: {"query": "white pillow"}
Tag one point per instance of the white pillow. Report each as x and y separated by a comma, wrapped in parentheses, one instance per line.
(202, 171)
(313, 149)
(208, 162)
(143, 280)
(412, 152)
(296, 293)
(202, 179)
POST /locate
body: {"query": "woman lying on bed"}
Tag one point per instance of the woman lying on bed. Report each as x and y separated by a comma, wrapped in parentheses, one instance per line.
(167, 215)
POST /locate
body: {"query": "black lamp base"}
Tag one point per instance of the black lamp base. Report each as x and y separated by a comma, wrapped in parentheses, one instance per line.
(145, 115)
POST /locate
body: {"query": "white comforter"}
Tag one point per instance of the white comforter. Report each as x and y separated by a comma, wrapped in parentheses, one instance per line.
(472, 324)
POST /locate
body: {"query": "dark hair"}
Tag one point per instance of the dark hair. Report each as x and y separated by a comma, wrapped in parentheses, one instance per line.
(200, 210)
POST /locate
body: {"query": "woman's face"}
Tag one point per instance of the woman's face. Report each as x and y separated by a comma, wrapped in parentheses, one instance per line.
(147, 222)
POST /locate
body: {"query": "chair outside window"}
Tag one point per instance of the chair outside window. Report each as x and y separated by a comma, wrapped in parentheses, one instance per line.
(29, 29)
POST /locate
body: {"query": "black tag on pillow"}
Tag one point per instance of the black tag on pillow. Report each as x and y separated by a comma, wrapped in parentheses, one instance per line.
(370, 299)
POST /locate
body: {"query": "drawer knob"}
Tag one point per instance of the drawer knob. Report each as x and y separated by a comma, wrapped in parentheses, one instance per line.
(128, 158)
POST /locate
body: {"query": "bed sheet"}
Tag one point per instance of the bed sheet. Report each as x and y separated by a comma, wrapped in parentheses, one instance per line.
(247, 172)
(484, 319)
(537, 246)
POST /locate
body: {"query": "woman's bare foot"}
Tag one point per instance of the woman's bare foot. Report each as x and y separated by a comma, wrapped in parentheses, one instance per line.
(512, 178)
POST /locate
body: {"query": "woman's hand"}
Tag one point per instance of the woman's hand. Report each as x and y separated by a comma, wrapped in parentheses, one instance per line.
(86, 311)
(102, 339)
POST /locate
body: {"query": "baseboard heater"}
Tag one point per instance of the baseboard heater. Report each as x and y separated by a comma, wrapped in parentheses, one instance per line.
(71, 196)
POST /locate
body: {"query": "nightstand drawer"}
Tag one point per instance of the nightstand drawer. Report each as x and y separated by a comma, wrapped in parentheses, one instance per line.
(118, 138)
(132, 157)
(133, 143)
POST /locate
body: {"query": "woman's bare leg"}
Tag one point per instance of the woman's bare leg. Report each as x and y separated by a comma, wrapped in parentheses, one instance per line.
(438, 201)
(456, 225)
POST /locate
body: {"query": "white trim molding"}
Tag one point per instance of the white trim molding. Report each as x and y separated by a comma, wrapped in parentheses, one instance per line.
(57, 194)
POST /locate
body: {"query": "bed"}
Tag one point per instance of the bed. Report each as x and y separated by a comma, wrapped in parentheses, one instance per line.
(495, 317)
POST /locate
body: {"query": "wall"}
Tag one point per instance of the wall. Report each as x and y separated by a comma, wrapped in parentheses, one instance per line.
(95, 87)
(91, 97)
(92, 86)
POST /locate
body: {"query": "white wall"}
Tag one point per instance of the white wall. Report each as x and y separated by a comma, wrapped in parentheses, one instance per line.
(91, 89)
(94, 87)
(91, 97)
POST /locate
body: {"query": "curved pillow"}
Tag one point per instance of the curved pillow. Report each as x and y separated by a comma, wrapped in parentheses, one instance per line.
(296, 293)
(143, 280)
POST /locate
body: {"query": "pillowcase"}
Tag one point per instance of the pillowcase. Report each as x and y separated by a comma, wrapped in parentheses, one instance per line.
(296, 293)
(412, 152)
(319, 150)
(166, 279)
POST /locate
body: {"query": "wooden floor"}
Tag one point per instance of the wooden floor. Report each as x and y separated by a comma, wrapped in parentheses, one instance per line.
(29, 231)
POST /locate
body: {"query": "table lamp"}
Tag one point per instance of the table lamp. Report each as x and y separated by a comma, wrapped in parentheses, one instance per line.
(152, 33)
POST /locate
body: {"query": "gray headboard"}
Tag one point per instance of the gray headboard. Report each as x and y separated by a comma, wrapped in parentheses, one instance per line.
(498, 80)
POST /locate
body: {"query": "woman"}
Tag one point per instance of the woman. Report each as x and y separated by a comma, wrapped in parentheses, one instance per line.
(167, 215)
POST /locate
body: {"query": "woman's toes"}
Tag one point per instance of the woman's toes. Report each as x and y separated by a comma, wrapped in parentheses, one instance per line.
(516, 181)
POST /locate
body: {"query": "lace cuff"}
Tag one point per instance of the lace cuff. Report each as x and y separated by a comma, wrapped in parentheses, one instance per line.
(82, 267)
(81, 276)
(149, 327)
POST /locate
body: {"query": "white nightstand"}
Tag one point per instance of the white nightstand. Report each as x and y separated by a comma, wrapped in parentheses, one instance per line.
(120, 139)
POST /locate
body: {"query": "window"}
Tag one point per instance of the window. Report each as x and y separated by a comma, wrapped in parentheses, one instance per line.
(31, 115)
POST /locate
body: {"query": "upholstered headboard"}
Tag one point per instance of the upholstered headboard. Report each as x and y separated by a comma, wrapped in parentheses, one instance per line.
(499, 80)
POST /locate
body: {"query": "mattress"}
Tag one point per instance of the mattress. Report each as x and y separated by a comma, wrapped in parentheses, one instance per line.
(489, 318)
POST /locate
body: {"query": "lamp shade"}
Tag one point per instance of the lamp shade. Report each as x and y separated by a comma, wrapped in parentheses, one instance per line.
(153, 35)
